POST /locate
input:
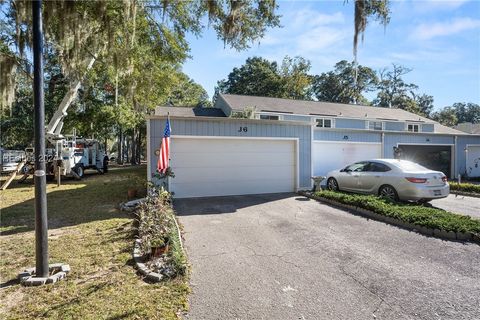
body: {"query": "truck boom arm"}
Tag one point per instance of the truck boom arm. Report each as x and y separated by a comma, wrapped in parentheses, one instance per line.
(54, 127)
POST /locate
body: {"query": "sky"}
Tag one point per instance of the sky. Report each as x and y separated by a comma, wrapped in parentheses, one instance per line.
(439, 40)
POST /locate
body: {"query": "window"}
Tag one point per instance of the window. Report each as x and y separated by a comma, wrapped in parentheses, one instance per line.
(269, 117)
(324, 123)
(375, 125)
(413, 127)
(378, 167)
(356, 167)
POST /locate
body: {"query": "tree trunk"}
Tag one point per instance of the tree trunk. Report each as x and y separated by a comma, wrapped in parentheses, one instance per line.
(139, 146)
(133, 158)
(120, 146)
(126, 152)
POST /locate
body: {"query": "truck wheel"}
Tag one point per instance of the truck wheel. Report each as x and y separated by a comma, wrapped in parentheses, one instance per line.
(105, 165)
(79, 170)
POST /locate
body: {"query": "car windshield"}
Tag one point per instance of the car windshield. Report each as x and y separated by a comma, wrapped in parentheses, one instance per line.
(410, 166)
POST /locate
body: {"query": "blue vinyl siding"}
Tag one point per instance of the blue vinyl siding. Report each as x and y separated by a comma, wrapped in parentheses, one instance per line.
(460, 155)
(331, 135)
(230, 128)
(427, 127)
(394, 126)
(295, 117)
(349, 124)
(391, 140)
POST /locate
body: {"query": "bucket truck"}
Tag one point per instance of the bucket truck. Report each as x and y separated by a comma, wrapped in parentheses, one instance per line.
(70, 155)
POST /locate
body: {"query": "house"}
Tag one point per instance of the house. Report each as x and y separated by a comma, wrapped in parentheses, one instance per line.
(283, 143)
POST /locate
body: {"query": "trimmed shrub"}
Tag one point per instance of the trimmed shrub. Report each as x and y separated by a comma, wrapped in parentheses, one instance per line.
(465, 187)
(409, 212)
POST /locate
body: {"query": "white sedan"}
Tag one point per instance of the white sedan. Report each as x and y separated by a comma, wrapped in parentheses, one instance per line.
(390, 178)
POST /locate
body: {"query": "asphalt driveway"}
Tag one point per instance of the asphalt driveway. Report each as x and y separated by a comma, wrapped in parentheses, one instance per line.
(459, 204)
(283, 256)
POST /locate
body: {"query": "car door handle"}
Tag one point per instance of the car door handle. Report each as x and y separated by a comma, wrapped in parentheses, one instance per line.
(377, 176)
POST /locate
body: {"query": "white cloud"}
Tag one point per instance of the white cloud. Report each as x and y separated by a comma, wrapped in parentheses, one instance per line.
(320, 38)
(428, 31)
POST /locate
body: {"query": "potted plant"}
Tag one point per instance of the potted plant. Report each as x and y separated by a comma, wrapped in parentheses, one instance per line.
(136, 184)
(159, 246)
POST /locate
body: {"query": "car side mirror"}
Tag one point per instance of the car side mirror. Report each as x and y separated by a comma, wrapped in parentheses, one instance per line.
(343, 170)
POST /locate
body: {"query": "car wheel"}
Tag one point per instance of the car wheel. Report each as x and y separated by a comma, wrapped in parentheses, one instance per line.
(388, 192)
(332, 184)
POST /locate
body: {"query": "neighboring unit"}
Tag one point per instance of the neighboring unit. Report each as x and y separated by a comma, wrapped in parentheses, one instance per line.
(217, 151)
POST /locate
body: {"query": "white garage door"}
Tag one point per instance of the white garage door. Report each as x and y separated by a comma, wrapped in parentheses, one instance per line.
(473, 161)
(329, 156)
(219, 167)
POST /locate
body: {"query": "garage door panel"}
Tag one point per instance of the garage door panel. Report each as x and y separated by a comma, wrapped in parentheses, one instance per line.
(226, 173)
(231, 159)
(183, 190)
(247, 146)
(217, 167)
(331, 156)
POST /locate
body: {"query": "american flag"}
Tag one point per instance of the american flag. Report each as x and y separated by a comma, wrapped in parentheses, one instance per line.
(164, 155)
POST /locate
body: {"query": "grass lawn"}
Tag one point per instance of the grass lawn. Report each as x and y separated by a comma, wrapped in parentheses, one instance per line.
(87, 231)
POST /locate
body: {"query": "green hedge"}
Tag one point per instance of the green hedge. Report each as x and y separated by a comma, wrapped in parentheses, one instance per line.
(465, 187)
(413, 213)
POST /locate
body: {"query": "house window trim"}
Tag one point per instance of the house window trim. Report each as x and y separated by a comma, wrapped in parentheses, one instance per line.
(419, 125)
(332, 122)
(370, 121)
(258, 116)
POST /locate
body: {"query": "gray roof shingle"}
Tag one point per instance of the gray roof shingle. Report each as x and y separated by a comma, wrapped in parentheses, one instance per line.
(189, 112)
(239, 102)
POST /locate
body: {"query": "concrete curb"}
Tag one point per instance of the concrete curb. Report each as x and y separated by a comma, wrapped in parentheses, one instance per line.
(442, 234)
(463, 193)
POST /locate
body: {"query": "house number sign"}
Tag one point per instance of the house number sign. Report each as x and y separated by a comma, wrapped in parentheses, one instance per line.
(243, 129)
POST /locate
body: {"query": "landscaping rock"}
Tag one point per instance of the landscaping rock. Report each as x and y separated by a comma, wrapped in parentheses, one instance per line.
(131, 205)
(55, 266)
(155, 277)
(23, 275)
(65, 268)
(425, 230)
(35, 281)
(56, 277)
(476, 238)
(464, 236)
(443, 234)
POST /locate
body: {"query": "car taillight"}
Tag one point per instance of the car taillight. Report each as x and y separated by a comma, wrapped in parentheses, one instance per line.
(444, 179)
(416, 180)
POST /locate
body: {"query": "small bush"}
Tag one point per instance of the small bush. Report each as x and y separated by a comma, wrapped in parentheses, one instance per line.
(413, 213)
(465, 187)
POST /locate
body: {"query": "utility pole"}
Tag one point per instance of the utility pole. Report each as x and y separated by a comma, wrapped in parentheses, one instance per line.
(41, 222)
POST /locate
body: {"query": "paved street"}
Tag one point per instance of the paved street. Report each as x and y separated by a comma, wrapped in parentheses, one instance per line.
(282, 256)
(459, 204)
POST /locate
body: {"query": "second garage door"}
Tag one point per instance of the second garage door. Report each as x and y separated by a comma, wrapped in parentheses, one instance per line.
(329, 156)
(227, 166)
